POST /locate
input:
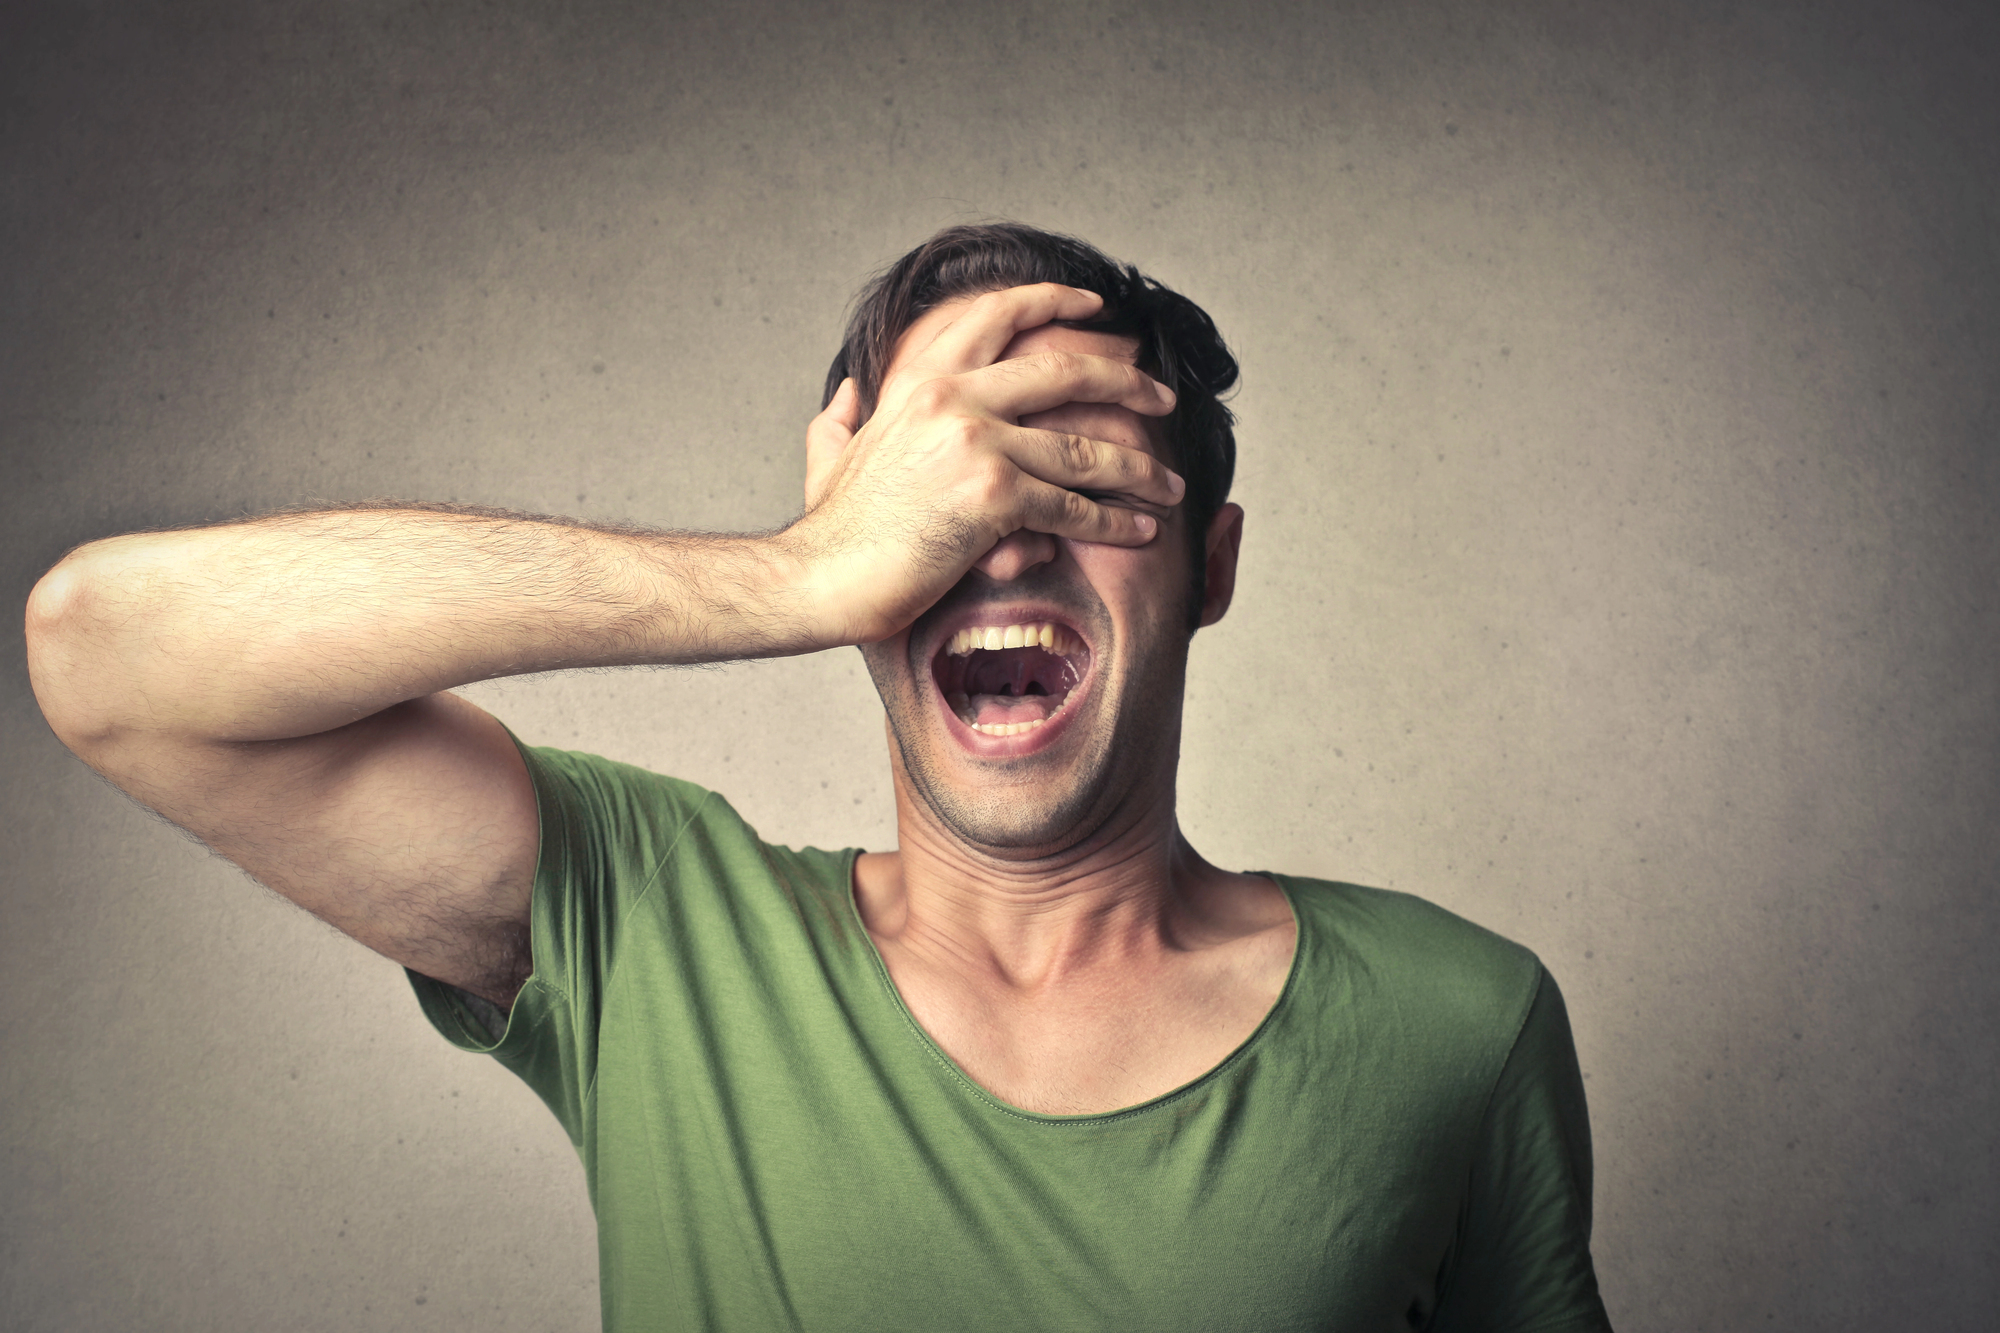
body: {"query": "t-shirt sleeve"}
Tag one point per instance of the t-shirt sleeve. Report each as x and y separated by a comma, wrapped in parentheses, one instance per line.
(607, 829)
(1521, 1261)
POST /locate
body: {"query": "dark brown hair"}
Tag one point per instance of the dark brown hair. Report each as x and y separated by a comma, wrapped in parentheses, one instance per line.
(1178, 343)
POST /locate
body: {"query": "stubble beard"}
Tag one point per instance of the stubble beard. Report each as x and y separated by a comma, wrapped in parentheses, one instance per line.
(1042, 805)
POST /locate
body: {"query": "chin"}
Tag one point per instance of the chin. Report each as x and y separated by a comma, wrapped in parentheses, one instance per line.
(1026, 750)
(1043, 810)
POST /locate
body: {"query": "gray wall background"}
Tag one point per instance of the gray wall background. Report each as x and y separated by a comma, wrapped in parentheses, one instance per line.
(1618, 443)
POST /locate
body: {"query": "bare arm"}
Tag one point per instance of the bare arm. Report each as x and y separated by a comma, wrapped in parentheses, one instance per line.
(277, 686)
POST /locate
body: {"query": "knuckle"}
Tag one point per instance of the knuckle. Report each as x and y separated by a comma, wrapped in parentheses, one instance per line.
(1058, 507)
(1073, 453)
(965, 435)
(1067, 365)
(990, 305)
(933, 396)
(991, 484)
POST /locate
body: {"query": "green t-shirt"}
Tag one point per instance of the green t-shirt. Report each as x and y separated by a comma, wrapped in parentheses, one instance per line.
(772, 1142)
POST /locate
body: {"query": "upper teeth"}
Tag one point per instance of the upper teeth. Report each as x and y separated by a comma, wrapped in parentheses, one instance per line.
(1054, 638)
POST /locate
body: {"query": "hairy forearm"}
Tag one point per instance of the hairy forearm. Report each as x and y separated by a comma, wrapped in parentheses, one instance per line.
(302, 622)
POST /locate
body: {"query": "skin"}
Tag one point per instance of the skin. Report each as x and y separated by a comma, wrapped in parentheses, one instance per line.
(280, 688)
(1043, 918)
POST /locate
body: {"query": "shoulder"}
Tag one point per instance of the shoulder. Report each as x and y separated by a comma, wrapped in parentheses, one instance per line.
(1429, 965)
(586, 799)
(1405, 927)
(595, 808)
(572, 777)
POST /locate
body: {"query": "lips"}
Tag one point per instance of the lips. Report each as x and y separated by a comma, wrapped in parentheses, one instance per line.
(1011, 680)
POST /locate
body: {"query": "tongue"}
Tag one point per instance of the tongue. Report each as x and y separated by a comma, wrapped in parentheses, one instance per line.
(999, 708)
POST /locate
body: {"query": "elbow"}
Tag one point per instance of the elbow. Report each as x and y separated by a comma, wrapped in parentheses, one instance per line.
(66, 641)
(56, 598)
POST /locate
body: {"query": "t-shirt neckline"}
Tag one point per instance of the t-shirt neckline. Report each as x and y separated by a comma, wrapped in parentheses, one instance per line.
(971, 1085)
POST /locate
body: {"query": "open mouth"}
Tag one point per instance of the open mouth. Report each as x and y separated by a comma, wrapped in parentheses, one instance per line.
(1008, 680)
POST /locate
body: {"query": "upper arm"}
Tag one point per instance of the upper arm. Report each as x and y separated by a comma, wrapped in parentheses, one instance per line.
(414, 830)
(1523, 1251)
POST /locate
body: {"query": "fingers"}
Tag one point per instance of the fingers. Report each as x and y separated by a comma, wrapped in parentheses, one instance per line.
(963, 355)
(1064, 513)
(1046, 380)
(1079, 463)
(985, 327)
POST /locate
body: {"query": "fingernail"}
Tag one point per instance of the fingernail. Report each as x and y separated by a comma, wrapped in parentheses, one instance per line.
(1146, 524)
(1167, 395)
(1179, 484)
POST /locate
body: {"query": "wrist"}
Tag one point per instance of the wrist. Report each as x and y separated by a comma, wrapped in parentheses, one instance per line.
(806, 595)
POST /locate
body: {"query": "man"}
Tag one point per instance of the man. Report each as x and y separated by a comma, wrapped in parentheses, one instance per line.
(1041, 1066)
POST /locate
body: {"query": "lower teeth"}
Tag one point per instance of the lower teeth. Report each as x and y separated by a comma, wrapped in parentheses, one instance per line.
(1006, 728)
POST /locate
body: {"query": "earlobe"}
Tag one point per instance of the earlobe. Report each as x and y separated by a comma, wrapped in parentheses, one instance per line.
(1224, 541)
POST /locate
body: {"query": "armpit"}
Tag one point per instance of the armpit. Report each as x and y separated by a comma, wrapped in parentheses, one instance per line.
(490, 1015)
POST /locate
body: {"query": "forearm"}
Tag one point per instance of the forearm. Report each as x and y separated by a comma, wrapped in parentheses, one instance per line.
(299, 623)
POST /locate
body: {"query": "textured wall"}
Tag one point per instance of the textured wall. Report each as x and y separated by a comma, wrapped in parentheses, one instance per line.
(1619, 452)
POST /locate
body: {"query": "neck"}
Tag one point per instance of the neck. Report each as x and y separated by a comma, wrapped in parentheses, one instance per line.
(1132, 890)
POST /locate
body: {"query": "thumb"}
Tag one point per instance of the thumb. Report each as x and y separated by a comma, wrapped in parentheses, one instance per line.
(827, 435)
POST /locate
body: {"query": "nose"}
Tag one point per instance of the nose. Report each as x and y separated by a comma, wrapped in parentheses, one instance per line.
(1016, 554)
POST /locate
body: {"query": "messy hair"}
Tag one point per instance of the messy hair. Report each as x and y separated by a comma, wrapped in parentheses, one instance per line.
(1178, 343)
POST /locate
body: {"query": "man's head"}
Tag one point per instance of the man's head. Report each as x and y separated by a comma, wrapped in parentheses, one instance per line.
(1040, 697)
(1178, 344)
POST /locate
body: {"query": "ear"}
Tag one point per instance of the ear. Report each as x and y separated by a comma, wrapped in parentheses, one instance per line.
(1224, 540)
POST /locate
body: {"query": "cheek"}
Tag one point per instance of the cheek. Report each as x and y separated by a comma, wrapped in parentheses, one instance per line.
(885, 662)
(1140, 584)
(1110, 569)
